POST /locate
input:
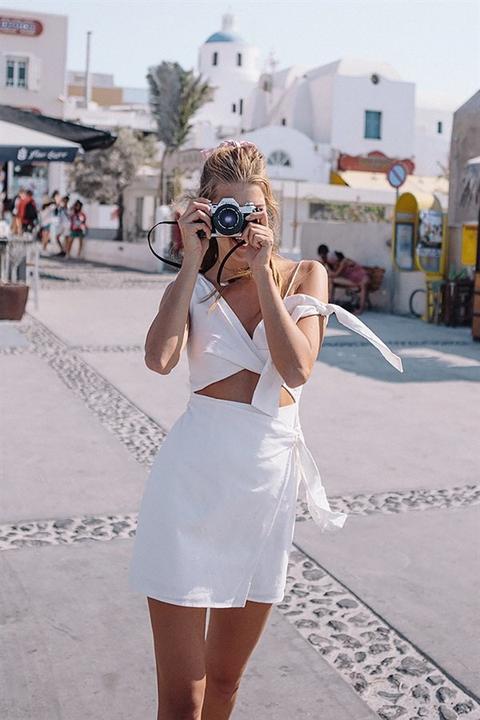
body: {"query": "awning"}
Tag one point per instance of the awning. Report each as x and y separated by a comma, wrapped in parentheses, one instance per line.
(22, 145)
(89, 138)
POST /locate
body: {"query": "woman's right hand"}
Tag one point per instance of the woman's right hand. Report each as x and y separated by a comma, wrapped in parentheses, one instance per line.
(196, 217)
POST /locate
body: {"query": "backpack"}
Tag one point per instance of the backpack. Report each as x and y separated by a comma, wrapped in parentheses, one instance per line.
(30, 213)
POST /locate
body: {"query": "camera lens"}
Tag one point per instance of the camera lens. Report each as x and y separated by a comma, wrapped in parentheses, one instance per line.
(228, 220)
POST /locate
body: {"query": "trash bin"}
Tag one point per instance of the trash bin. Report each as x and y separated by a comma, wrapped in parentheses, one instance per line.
(458, 305)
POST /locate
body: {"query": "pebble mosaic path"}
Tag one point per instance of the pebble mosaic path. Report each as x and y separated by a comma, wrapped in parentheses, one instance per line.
(392, 676)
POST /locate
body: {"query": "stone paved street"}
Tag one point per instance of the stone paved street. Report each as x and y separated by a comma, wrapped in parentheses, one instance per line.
(379, 620)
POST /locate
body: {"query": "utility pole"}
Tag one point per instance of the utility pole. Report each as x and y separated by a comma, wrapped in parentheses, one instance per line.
(88, 83)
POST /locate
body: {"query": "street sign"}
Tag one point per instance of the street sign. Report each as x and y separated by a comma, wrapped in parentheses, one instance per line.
(397, 174)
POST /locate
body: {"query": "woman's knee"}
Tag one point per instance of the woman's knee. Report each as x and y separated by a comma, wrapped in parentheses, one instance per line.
(181, 705)
(224, 684)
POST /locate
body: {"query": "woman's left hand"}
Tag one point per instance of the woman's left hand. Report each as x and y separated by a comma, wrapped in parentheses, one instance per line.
(260, 238)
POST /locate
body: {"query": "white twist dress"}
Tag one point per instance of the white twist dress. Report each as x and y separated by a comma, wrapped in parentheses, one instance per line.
(217, 516)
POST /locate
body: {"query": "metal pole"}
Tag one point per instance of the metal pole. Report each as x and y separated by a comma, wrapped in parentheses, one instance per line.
(295, 216)
(88, 84)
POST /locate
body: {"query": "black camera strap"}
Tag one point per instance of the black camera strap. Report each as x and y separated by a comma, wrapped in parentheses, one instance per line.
(179, 265)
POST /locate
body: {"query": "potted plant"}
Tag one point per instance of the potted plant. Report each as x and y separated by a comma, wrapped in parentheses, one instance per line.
(13, 300)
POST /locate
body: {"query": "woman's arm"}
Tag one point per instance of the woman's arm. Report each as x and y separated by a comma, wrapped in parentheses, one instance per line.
(339, 269)
(168, 332)
(294, 347)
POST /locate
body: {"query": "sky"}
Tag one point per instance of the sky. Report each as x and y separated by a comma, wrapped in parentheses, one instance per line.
(433, 43)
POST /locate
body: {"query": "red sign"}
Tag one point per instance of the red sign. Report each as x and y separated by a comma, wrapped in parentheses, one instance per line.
(20, 26)
(375, 161)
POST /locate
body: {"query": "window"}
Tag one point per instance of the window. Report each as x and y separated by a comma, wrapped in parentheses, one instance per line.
(234, 107)
(373, 121)
(215, 58)
(239, 59)
(284, 121)
(16, 72)
(279, 158)
(240, 107)
(439, 127)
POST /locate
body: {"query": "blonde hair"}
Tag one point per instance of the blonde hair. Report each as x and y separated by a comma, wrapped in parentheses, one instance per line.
(234, 162)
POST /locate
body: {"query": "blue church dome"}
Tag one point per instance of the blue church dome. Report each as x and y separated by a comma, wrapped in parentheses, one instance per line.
(223, 37)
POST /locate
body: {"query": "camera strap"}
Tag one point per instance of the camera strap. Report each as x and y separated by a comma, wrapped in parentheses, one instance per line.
(179, 265)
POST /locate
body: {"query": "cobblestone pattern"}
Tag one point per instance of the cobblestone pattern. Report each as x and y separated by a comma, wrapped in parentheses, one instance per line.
(401, 501)
(136, 430)
(66, 531)
(389, 674)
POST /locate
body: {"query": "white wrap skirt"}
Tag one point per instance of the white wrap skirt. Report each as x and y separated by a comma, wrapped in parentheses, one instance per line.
(217, 516)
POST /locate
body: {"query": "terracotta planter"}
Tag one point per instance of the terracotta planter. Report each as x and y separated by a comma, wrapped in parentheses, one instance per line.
(13, 300)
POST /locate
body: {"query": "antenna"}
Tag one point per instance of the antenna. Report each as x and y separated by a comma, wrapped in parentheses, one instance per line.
(88, 82)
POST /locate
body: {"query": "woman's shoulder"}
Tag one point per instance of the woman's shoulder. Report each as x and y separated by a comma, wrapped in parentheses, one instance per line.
(297, 273)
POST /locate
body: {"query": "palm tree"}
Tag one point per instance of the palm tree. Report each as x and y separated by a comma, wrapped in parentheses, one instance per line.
(175, 96)
(470, 194)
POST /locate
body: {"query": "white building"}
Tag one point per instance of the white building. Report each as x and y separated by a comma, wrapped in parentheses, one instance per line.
(232, 67)
(352, 106)
(433, 131)
(33, 55)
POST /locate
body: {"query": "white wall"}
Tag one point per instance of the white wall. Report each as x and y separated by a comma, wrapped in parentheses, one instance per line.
(431, 148)
(46, 53)
(396, 101)
(306, 162)
(231, 82)
(137, 256)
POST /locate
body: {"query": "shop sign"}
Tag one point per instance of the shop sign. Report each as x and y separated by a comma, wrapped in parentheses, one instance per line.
(374, 161)
(37, 154)
(20, 26)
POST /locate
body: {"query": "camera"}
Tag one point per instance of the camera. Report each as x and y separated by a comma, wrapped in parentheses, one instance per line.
(228, 217)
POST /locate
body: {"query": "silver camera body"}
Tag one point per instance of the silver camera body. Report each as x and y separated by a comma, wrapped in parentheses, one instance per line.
(228, 217)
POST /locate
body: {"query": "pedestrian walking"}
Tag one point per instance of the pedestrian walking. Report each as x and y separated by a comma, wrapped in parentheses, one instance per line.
(217, 515)
(56, 222)
(19, 202)
(78, 228)
(46, 220)
(29, 216)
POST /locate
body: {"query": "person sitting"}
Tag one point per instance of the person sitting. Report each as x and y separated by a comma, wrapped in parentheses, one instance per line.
(322, 252)
(345, 272)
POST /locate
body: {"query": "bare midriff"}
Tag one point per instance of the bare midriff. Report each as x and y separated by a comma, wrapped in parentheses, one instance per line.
(240, 388)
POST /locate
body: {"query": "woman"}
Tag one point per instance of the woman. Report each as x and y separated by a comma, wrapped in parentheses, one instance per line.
(78, 228)
(46, 219)
(345, 272)
(217, 516)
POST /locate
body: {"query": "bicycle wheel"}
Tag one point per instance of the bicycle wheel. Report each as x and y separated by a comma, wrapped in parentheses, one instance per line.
(416, 302)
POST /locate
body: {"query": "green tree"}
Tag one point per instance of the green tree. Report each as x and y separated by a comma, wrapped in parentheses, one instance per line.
(103, 175)
(175, 96)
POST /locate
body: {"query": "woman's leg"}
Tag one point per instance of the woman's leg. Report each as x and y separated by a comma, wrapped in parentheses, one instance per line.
(45, 238)
(231, 637)
(363, 295)
(179, 643)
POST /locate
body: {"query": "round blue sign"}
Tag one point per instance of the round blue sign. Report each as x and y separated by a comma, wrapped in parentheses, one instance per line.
(397, 174)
